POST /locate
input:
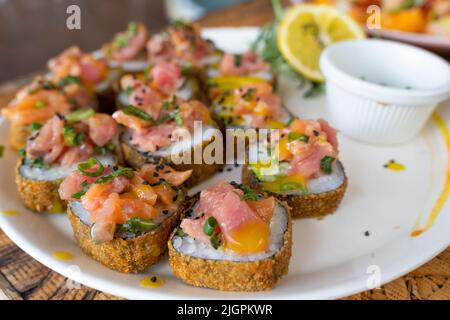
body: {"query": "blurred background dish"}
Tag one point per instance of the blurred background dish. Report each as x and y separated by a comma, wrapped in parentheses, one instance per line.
(425, 23)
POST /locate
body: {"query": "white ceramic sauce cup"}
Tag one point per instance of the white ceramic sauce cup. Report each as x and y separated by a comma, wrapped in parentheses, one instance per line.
(382, 92)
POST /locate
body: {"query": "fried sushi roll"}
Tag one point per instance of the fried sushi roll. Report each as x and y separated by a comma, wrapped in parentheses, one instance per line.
(58, 148)
(307, 173)
(170, 129)
(123, 218)
(232, 239)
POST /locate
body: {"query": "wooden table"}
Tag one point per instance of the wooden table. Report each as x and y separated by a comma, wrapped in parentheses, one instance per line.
(22, 277)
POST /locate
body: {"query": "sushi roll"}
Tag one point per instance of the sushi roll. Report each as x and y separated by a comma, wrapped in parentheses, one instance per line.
(123, 218)
(165, 79)
(165, 130)
(250, 106)
(56, 149)
(39, 101)
(307, 173)
(233, 239)
(74, 68)
(127, 50)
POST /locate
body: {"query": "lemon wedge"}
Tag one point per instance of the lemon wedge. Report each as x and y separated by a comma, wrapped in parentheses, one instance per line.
(304, 32)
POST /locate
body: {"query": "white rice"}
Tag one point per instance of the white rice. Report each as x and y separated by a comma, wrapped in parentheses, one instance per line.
(58, 172)
(327, 182)
(195, 248)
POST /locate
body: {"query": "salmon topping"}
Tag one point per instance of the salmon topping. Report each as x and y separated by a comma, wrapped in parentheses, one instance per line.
(129, 44)
(75, 66)
(120, 194)
(63, 142)
(176, 119)
(244, 225)
(255, 104)
(181, 42)
(242, 64)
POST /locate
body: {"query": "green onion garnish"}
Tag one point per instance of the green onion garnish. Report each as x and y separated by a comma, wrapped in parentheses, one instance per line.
(237, 60)
(133, 111)
(108, 147)
(85, 186)
(121, 41)
(47, 85)
(80, 115)
(298, 136)
(35, 126)
(126, 172)
(215, 242)
(133, 28)
(210, 226)
(22, 152)
(128, 91)
(179, 120)
(187, 68)
(166, 105)
(288, 186)
(84, 166)
(69, 80)
(325, 164)
(72, 137)
(137, 225)
(248, 95)
(180, 232)
(39, 104)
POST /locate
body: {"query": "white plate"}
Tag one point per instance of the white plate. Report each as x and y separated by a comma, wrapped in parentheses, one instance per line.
(331, 258)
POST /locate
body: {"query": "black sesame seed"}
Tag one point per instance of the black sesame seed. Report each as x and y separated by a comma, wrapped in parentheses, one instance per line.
(165, 211)
(153, 279)
(367, 233)
(229, 169)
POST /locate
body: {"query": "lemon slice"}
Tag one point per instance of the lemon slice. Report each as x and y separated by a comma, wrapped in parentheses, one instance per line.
(305, 30)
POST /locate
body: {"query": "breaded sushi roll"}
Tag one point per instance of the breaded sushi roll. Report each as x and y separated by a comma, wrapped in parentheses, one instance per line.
(123, 218)
(307, 173)
(170, 129)
(232, 239)
(60, 146)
